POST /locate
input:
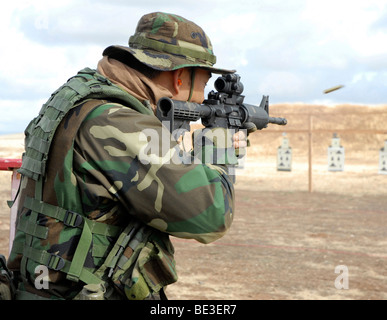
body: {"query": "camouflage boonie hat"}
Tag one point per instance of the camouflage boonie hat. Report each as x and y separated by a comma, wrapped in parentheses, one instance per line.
(169, 42)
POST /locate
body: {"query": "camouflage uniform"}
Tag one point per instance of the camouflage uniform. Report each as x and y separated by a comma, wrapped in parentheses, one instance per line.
(90, 208)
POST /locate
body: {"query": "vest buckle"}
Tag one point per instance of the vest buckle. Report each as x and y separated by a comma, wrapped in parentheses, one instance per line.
(72, 219)
(55, 262)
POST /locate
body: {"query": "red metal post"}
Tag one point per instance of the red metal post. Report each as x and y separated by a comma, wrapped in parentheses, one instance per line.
(12, 165)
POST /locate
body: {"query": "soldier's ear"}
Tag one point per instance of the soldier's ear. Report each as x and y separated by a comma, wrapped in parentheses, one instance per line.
(177, 80)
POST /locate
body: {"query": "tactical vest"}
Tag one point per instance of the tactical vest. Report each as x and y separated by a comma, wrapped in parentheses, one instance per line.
(87, 84)
(87, 88)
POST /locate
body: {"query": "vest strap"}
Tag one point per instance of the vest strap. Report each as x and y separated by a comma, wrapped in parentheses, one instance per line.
(57, 263)
(32, 228)
(71, 218)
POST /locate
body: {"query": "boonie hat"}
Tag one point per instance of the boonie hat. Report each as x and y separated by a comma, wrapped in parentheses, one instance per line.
(169, 42)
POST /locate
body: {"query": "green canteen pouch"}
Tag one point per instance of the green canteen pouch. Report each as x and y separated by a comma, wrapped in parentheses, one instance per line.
(146, 266)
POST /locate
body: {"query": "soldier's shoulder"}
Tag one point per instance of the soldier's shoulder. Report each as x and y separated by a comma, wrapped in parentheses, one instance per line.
(105, 109)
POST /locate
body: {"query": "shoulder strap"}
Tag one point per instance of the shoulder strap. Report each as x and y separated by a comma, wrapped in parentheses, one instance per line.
(87, 84)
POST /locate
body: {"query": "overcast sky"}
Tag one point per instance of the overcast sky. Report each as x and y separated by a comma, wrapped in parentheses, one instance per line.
(290, 50)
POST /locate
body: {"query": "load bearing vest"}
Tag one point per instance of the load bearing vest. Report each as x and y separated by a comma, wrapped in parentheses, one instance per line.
(87, 84)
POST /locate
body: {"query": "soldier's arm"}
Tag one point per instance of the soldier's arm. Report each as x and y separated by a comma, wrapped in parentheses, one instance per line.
(140, 166)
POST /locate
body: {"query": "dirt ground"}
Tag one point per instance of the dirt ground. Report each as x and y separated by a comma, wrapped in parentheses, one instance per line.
(285, 242)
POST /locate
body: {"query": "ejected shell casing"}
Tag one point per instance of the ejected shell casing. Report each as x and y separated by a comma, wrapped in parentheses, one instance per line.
(333, 89)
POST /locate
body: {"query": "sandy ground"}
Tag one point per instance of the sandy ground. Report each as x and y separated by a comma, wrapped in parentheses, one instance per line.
(285, 243)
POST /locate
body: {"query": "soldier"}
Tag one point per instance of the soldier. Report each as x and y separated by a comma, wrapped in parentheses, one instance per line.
(94, 219)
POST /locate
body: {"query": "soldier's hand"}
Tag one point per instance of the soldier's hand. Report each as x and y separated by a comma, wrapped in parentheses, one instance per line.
(240, 139)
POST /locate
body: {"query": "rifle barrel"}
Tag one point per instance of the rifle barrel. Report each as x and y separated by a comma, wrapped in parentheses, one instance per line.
(279, 121)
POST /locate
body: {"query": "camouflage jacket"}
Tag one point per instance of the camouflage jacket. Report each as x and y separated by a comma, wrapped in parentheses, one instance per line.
(103, 167)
